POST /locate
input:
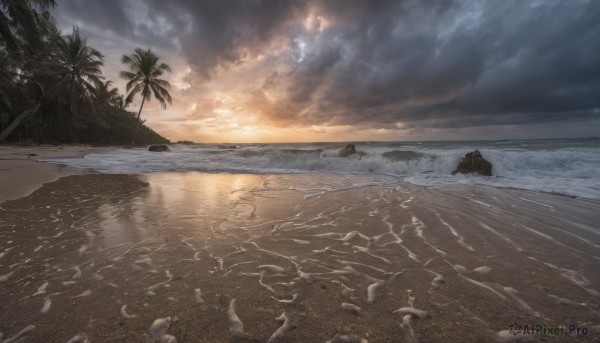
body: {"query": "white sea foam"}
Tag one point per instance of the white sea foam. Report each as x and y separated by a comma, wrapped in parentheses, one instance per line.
(46, 307)
(236, 327)
(159, 327)
(484, 286)
(42, 288)
(16, 337)
(282, 329)
(125, 314)
(351, 307)
(5, 276)
(84, 294)
(412, 311)
(570, 167)
(77, 274)
(198, 296)
(373, 290)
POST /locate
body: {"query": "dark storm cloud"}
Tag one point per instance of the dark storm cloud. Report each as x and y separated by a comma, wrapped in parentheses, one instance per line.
(133, 20)
(225, 32)
(109, 14)
(378, 63)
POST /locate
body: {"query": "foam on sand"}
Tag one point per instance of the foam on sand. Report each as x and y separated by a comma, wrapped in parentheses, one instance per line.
(158, 331)
(17, 336)
(125, 314)
(46, 307)
(236, 327)
(330, 268)
(285, 326)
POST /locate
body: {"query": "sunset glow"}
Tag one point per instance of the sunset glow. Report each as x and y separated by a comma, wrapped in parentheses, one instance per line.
(307, 71)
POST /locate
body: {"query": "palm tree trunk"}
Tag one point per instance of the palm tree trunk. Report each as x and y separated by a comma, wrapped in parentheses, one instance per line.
(72, 92)
(18, 120)
(138, 121)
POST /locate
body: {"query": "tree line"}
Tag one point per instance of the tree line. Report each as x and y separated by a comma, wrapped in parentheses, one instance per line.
(52, 89)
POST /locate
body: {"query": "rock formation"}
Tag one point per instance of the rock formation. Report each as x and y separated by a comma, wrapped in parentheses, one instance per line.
(347, 151)
(474, 162)
(159, 148)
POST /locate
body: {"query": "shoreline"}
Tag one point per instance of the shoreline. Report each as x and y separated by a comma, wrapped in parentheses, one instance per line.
(22, 173)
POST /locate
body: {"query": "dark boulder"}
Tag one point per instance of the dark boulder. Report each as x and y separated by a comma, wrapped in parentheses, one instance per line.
(159, 148)
(347, 151)
(473, 162)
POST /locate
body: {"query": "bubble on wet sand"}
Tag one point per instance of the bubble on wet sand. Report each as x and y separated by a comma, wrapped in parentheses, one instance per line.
(16, 337)
(198, 296)
(285, 301)
(197, 256)
(5, 276)
(415, 312)
(236, 327)
(41, 289)
(84, 294)
(439, 279)
(282, 329)
(484, 286)
(271, 268)
(512, 293)
(160, 326)
(345, 338)
(79, 339)
(482, 270)
(507, 336)
(260, 281)
(125, 314)
(158, 330)
(351, 308)
(77, 274)
(373, 290)
(46, 307)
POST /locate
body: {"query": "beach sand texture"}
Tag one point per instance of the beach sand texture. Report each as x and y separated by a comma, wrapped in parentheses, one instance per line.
(196, 257)
(22, 174)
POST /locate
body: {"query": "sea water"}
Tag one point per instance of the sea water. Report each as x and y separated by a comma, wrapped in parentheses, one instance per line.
(563, 166)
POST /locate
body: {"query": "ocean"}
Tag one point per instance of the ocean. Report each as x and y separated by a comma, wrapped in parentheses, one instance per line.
(568, 167)
(291, 243)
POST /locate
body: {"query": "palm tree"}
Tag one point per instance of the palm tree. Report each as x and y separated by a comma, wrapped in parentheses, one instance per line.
(25, 26)
(143, 77)
(121, 102)
(7, 71)
(103, 94)
(20, 19)
(75, 63)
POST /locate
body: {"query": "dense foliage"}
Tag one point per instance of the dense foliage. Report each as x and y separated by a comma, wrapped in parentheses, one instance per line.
(62, 74)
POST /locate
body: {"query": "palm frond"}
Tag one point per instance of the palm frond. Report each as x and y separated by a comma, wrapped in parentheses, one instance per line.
(144, 70)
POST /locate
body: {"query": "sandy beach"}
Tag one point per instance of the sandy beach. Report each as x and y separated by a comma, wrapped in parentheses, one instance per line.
(21, 173)
(196, 257)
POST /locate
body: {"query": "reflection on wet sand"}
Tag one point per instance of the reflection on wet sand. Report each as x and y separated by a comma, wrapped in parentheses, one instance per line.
(293, 258)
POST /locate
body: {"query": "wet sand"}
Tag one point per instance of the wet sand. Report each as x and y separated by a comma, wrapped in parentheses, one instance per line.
(21, 173)
(192, 257)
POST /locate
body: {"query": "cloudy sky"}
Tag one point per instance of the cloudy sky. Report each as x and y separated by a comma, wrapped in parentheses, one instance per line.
(338, 70)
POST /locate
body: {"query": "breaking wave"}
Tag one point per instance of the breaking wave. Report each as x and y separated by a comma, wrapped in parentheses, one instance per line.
(568, 167)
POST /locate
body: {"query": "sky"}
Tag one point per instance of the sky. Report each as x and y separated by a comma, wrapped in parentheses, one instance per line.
(350, 70)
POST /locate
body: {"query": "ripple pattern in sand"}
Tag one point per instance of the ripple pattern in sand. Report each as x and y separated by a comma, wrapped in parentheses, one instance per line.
(290, 258)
